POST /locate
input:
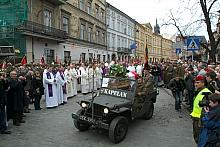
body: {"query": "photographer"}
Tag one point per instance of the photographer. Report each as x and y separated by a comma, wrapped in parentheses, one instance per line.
(211, 81)
(197, 110)
(210, 133)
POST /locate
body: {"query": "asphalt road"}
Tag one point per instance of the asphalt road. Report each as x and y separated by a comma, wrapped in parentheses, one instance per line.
(54, 128)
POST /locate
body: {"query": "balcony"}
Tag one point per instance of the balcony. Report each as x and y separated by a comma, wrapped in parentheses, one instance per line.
(57, 2)
(34, 28)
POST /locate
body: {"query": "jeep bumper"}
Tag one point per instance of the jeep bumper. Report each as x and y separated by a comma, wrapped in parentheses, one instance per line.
(89, 120)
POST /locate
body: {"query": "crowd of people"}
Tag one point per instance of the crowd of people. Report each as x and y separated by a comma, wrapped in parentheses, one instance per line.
(22, 85)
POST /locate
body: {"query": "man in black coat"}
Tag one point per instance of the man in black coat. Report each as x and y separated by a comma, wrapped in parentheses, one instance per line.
(3, 100)
(15, 99)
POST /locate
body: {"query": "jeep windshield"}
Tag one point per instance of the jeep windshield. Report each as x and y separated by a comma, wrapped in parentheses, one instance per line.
(118, 87)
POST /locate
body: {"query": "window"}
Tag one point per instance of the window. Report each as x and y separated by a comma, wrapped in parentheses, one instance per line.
(113, 24)
(108, 58)
(65, 26)
(67, 58)
(108, 40)
(118, 27)
(90, 57)
(97, 36)
(90, 34)
(103, 59)
(119, 41)
(47, 18)
(82, 31)
(98, 58)
(83, 57)
(102, 15)
(49, 56)
(97, 11)
(89, 7)
(103, 38)
(81, 4)
(113, 41)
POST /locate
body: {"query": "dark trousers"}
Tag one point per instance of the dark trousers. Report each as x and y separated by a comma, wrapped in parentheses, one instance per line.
(17, 117)
(37, 101)
(3, 126)
(178, 98)
(26, 101)
(190, 98)
(196, 128)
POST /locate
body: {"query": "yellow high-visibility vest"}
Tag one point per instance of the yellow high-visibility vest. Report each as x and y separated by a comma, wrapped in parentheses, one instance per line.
(196, 109)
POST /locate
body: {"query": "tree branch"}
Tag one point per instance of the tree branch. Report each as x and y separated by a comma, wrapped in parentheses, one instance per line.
(210, 7)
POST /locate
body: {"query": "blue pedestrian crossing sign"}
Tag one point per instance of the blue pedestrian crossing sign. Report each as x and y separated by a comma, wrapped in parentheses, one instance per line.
(193, 44)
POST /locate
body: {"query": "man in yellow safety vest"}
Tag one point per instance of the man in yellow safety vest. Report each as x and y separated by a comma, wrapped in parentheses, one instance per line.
(197, 110)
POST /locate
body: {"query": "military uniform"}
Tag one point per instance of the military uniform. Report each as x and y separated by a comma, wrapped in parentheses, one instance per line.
(142, 90)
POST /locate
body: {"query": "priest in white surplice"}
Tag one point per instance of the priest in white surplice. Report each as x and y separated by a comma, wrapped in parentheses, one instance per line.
(69, 84)
(50, 89)
(98, 72)
(84, 79)
(61, 86)
(91, 80)
(74, 77)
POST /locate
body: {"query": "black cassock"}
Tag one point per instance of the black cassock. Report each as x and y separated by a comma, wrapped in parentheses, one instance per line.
(15, 97)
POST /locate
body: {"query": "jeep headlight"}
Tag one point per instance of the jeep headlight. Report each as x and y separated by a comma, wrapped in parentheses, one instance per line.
(106, 110)
(83, 105)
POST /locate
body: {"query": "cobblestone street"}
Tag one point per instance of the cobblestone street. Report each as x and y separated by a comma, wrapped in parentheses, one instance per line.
(54, 128)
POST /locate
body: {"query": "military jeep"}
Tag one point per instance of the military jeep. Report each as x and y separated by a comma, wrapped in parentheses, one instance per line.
(113, 106)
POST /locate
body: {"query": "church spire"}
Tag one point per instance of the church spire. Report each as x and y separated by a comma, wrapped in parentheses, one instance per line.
(157, 28)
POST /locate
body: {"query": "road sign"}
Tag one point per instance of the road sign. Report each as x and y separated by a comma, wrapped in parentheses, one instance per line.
(178, 44)
(193, 44)
(178, 51)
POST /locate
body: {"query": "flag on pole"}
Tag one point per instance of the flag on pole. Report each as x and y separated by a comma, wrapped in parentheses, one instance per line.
(24, 60)
(146, 65)
(42, 61)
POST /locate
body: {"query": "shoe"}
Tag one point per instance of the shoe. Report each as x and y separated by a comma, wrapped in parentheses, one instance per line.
(16, 124)
(27, 111)
(21, 121)
(6, 132)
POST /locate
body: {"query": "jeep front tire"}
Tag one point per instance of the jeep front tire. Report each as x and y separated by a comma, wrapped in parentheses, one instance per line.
(118, 129)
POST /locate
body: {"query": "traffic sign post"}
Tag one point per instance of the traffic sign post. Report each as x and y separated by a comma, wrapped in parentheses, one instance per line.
(193, 44)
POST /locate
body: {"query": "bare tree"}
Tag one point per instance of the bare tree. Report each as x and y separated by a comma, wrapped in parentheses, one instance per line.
(202, 15)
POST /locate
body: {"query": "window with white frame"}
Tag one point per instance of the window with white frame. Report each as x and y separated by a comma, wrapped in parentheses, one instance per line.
(89, 7)
(97, 36)
(82, 31)
(65, 24)
(97, 11)
(81, 4)
(47, 18)
(90, 33)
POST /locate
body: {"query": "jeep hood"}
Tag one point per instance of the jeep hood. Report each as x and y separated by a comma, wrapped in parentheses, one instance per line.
(110, 101)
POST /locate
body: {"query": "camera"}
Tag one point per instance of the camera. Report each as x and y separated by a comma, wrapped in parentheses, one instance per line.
(205, 101)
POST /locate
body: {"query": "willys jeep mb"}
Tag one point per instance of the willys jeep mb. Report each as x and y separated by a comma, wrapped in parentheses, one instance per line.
(113, 107)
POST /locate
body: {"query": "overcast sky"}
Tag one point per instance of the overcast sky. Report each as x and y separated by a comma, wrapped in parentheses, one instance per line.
(145, 11)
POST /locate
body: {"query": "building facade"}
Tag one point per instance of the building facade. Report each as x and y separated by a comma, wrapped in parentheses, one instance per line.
(61, 30)
(120, 34)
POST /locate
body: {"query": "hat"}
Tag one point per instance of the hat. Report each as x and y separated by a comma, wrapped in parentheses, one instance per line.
(200, 78)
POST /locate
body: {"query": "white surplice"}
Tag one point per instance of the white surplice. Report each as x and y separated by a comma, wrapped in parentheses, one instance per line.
(74, 77)
(69, 84)
(84, 80)
(62, 97)
(51, 100)
(98, 72)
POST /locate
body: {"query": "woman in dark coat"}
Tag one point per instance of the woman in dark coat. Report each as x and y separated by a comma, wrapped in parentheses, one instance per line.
(38, 89)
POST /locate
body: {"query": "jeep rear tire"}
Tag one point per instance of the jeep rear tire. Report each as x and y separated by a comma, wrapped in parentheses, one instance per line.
(150, 111)
(79, 125)
(118, 129)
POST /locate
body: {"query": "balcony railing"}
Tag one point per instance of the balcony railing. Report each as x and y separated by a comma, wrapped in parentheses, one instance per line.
(57, 2)
(41, 29)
